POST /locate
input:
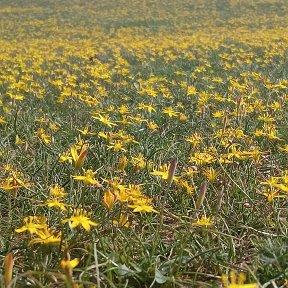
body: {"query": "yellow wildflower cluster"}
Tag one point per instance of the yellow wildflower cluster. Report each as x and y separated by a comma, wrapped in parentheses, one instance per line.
(36, 225)
(277, 187)
(97, 101)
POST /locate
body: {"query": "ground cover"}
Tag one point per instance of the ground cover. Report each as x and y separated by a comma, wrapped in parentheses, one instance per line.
(143, 143)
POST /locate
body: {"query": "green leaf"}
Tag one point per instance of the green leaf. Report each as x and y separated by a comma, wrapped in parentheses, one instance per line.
(125, 271)
(160, 278)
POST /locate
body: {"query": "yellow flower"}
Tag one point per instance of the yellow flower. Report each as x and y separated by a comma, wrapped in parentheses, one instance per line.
(164, 173)
(78, 159)
(125, 121)
(182, 117)
(88, 178)
(202, 158)
(218, 114)
(236, 283)
(47, 236)
(85, 131)
(69, 264)
(191, 90)
(117, 146)
(211, 174)
(152, 126)
(138, 162)
(2, 120)
(53, 126)
(170, 112)
(57, 191)
(12, 183)
(148, 107)
(104, 119)
(33, 224)
(80, 218)
(123, 109)
(283, 149)
(140, 203)
(141, 206)
(18, 140)
(184, 184)
(123, 161)
(42, 135)
(37, 225)
(66, 156)
(266, 118)
(203, 221)
(270, 194)
(109, 199)
(56, 203)
(194, 139)
(276, 183)
(123, 221)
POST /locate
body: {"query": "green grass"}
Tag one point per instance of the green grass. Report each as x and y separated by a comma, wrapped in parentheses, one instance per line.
(107, 55)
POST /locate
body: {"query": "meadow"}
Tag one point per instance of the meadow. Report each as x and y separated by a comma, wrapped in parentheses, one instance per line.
(144, 143)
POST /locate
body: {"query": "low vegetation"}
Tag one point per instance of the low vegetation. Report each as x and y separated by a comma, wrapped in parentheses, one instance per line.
(144, 143)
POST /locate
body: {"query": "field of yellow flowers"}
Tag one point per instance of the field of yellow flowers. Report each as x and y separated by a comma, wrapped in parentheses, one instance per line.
(143, 143)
